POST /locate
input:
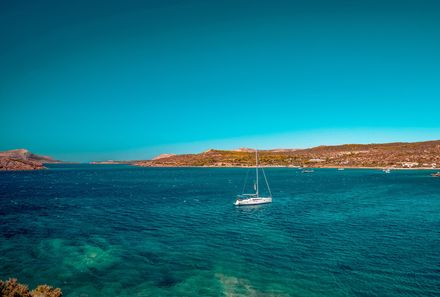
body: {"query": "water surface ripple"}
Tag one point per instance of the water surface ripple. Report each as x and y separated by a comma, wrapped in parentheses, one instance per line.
(104, 230)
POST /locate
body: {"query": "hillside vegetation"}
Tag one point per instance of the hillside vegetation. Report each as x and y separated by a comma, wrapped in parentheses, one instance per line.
(398, 155)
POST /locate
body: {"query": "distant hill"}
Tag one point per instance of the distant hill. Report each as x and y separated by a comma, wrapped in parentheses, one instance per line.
(110, 162)
(22, 159)
(161, 156)
(398, 155)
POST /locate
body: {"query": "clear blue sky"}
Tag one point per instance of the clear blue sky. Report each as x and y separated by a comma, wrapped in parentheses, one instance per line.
(82, 80)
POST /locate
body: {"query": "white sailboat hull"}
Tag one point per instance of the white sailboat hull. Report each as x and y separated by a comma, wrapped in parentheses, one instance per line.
(253, 201)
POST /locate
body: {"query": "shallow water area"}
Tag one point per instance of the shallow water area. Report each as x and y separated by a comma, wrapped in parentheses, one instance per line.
(117, 230)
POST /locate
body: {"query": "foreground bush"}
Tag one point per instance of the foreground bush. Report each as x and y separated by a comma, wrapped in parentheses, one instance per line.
(11, 288)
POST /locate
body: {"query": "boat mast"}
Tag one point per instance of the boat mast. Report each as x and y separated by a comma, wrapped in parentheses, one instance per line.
(256, 167)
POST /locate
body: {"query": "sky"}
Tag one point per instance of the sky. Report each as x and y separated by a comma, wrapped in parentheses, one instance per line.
(96, 80)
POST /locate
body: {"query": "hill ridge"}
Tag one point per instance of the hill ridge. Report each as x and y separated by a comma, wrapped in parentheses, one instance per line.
(23, 159)
(424, 154)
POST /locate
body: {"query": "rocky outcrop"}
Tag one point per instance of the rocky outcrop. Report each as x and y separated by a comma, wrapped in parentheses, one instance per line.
(22, 159)
(16, 164)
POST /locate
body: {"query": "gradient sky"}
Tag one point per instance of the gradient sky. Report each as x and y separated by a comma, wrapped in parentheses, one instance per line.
(84, 80)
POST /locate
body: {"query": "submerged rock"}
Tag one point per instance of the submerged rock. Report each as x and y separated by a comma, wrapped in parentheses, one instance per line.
(74, 257)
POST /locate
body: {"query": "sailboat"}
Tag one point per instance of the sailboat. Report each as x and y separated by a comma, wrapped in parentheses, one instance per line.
(255, 198)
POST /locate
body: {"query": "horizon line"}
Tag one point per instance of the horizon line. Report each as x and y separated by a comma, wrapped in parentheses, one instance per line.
(224, 149)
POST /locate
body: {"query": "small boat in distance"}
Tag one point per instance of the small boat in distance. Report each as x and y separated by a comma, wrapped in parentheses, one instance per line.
(307, 171)
(340, 169)
(386, 170)
(436, 174)
(253, 199)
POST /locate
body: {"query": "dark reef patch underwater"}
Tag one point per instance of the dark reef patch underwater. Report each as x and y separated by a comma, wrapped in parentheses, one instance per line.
(116, 230)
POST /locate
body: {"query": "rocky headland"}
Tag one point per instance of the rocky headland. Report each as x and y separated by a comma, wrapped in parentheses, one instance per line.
(22, 159)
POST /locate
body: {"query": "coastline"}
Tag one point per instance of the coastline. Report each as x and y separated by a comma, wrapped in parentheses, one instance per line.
(401, 156)
(291, 167)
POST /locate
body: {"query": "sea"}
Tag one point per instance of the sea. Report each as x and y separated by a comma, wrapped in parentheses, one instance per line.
(118, 230)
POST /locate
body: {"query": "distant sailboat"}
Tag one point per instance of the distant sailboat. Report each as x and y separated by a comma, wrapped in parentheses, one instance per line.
(253, 199)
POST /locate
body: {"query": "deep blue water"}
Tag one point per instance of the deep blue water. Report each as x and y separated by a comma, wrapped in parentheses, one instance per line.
(103, 230)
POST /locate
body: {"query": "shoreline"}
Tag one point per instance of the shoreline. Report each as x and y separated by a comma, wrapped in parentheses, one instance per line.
(291, 167)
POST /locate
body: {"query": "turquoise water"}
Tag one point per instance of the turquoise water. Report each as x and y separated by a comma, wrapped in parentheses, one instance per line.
(103, 230)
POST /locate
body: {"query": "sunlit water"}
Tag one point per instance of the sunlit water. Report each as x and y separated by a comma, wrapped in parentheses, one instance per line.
(99, 230)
